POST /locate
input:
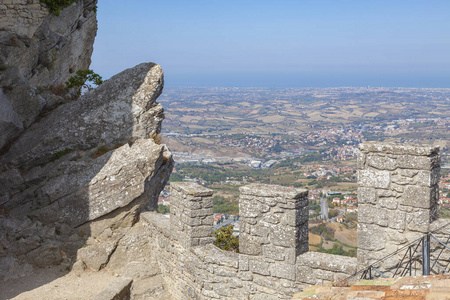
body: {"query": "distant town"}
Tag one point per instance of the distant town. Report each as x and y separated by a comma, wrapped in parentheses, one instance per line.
(224, 138)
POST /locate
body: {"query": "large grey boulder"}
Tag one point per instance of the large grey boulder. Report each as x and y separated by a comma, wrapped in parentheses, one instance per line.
(39, 50)
(88, 167)
(121, 110)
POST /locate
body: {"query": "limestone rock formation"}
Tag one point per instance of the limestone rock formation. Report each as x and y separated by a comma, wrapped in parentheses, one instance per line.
(73, 172)
(39, 50)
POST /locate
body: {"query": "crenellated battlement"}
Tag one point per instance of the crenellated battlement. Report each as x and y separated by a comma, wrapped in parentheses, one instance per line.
(273, 263)
(398, 193)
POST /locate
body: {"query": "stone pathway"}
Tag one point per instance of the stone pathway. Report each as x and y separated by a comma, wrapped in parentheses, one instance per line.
(406, 288)
(56, 283)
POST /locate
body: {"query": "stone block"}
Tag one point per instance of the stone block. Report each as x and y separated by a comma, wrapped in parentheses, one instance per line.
(417, 196)
(207, 203)
(294, 204)
(200, 212)
(374, 178)
(234, 283)
(245, 276)
(258, 266)
(395, 237)
(388, 202)
(248, 209)
(185, 219)
(263, 296)
(381, 162)
(398, 149)
(400, 180)
(217, 256)
(295, 217)
(200, 231)
(211, 294)
(261, 207)
(225, 272)
(418, 220)
(191, 188)
(428, 178)
(275, 252)
(265, 190)
(415, 162)
(367, 195)
(371, 214)
(330, 262)
(386, 193)
(119, 289)
(191, 205)
(271, 218)
(306, 274)
(280, 270)
(361, 160)
(259, 230)
(397, 219)
(283, 236)
(247, 245)
(96, 256)
(205, 241)
(207, 221)
(407, 172)
(371, 237)
(269, 283)
(243, 262)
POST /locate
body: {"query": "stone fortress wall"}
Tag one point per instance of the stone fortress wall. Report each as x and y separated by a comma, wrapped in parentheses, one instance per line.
(22, 16)
(398, 203)
(398, 193)
(273, 263)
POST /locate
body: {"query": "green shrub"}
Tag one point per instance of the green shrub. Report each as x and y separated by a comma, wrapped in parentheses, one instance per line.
(225, 239)
(221, 205)
(54, 6)
(163, 209)
(84, 78)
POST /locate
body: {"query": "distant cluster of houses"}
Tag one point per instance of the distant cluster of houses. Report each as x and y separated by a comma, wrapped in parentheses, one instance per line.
(185, 157)
(349, 203)
(164, 198)
(443, 199)
(221, 217)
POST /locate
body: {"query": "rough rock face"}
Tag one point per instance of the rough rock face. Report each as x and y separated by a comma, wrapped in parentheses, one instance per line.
(121, 110)
(39, 50)
(72, 172)
(88, 160)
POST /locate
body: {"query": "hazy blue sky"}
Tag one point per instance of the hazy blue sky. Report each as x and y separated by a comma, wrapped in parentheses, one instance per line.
(279, 43)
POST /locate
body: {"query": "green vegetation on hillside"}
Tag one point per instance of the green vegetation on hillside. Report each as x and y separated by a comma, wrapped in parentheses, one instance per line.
(338, 250)
(222, 205)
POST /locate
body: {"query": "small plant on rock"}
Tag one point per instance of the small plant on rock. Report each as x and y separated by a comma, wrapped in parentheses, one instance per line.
(157, 138)
(54, 6)
(84, 79)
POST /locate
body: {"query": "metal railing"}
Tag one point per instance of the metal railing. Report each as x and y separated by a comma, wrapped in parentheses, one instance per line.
(422, 256)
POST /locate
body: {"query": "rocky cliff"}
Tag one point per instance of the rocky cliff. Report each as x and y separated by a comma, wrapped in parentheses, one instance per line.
(70, 169)
(39, 52)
